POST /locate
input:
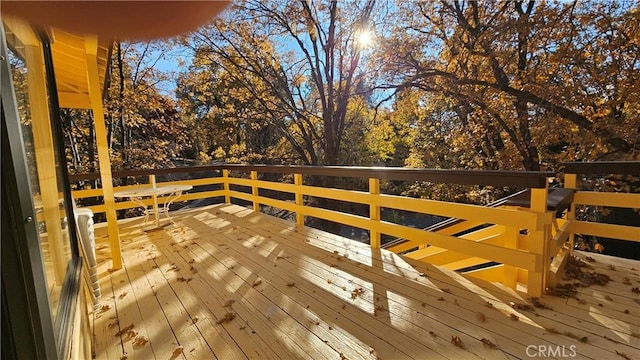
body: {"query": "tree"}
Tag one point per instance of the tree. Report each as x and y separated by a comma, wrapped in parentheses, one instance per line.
(140, 119)
(549, 80)
(299, 64)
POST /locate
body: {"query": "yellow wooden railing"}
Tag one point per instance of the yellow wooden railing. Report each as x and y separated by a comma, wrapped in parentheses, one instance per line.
(522, 235)
(562, 242)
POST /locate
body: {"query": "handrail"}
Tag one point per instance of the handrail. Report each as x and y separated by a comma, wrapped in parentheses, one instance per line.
(521, 179)
(603, 167)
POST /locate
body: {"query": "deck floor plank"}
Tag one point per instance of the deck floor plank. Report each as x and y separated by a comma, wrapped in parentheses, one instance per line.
(245, 327)
(308, 303)
(159, 275)
(129, 315)
(462, 322)
(246, 315)
(603, 345)
(405, 317)
(107, 344)
(292, 291)
(159, 331)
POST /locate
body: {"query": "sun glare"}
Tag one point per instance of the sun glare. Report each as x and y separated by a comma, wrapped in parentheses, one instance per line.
(365, 38)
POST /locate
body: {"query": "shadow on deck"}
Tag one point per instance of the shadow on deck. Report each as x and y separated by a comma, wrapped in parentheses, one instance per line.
(228, 283)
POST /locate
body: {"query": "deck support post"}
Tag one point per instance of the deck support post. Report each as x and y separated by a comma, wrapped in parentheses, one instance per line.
(539, 244)
(374, 213)
(95, 96)
(297, 181)
(225, 185)
(254, 191)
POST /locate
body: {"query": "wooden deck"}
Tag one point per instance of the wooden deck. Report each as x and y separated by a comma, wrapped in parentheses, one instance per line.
(228, 283)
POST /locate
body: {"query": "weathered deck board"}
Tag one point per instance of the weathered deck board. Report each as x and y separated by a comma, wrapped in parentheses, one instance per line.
(292, 290)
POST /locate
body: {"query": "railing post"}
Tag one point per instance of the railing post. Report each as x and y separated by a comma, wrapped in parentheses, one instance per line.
(539, 243)
(374, 213)
(511, 237)
(254, 190)
(225, 184)
(571, 182)
(156, 216)
(297, 181)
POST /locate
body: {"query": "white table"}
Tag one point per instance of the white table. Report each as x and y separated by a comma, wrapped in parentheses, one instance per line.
(172, 192)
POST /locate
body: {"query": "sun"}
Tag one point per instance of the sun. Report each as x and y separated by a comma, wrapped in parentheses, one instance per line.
(365, 38)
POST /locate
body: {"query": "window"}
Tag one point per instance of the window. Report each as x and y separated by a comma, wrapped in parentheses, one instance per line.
(44, 175)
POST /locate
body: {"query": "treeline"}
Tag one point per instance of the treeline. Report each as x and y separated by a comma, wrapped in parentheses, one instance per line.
(517, 85)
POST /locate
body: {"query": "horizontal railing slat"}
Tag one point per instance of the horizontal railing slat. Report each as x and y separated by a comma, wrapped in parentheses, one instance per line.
(500, 254)
(622, 232)
(623, 200)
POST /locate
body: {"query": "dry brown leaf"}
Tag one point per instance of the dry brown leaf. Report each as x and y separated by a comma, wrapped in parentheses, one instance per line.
(227, 318)
(104, 308)
(177, 351)
(357, 292)
(457, 342)
(257, 282)
(140, 341)
(125, 330)
(229, 303)
(291, 284)
(123, 295)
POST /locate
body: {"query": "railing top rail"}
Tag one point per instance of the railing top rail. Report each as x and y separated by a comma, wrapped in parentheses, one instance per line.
(603, 167)
(523, 179)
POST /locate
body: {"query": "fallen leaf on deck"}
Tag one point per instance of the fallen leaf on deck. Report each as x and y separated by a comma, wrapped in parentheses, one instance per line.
(356, 293)
(257, 282)
(105, 308)
(227, 318)
(457, 342)
(123, 295)
(229, 303)
(140, 341)
(125, 330)
(177, 351)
